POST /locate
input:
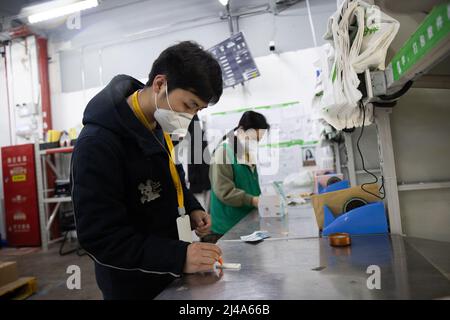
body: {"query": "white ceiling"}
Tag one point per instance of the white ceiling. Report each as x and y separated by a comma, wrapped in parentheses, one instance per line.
(410, 13)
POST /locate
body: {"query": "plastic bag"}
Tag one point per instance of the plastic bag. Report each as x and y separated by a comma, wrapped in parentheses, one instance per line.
(299, 182)
(379, 31)
(353, 50)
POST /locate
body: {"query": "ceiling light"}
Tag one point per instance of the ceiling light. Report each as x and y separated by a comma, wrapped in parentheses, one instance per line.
(62, 10)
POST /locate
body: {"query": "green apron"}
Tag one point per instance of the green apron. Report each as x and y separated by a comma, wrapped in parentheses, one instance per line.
(223, 216)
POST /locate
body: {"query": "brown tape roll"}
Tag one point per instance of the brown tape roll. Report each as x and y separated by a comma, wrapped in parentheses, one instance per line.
(339, 239)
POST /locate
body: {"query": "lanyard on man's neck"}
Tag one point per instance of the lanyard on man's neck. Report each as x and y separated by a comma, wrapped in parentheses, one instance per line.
(173, 170)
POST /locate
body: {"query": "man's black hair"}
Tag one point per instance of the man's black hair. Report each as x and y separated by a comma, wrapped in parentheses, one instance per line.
(187, 66)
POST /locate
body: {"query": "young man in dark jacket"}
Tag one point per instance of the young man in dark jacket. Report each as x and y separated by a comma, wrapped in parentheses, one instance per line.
(127, 195)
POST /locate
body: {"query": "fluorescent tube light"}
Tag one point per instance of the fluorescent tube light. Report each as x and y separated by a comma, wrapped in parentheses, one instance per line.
(62, 11)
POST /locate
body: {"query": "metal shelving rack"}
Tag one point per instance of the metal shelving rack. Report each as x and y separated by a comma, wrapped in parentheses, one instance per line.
(427, 46)
(46, 218)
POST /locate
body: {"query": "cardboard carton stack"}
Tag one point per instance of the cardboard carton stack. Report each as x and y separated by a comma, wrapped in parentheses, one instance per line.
(13, 287)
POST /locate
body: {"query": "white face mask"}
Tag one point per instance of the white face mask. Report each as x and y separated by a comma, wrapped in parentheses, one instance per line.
(172, 122)
(250, 144)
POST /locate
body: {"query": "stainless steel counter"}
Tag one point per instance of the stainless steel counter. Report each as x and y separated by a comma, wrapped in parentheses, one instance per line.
(296, 264)
(311, 269)
(299, 222)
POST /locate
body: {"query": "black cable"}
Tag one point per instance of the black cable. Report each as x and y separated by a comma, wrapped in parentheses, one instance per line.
(399, 93)
(364, 166)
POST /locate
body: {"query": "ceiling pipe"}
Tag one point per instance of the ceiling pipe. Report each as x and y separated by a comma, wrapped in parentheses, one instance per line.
(10, 129)
(230, 19)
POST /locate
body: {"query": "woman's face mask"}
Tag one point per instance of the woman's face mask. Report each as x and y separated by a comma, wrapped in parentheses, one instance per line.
(252, 135)
(172, 122)
(249, 141)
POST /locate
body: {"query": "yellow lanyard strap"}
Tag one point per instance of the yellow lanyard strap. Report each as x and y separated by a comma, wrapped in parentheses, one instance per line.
(173, 170)
(138, 111)
(175, 175)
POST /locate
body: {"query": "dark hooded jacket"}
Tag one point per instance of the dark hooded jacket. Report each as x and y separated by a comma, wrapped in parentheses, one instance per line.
(124, 199)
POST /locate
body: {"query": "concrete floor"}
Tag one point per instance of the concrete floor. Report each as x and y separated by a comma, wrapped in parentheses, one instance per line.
(50, 268)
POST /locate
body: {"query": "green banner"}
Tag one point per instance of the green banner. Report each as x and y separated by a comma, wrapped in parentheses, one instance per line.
(428, 35)
(287, 144)
(240, 110)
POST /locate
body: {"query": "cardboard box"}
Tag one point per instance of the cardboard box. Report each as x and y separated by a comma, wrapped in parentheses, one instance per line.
(336, 200)
(8, 272)
(323, 179)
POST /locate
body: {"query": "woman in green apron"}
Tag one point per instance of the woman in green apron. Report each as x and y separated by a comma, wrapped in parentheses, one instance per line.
(234, 178)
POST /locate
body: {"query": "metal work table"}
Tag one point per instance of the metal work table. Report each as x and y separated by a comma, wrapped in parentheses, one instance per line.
(299, 222)
(311, 269)
(296, 264)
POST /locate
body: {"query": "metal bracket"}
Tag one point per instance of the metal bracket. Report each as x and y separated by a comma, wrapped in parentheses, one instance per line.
(350, 159)
(378, 83)
(387, 163)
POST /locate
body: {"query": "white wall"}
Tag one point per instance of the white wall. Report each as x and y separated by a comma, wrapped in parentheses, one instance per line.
(24, 86)
(21, 87)
(421, 136)
(89, 54)
(281, 80)
(285, 78)
(5, 138)
(129, 38)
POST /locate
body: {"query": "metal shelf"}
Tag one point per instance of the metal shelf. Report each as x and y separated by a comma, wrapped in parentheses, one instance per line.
(427, 46)
(57, 199)
(423, 186)
(56, 150)
(425, 49)
(47, 215)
